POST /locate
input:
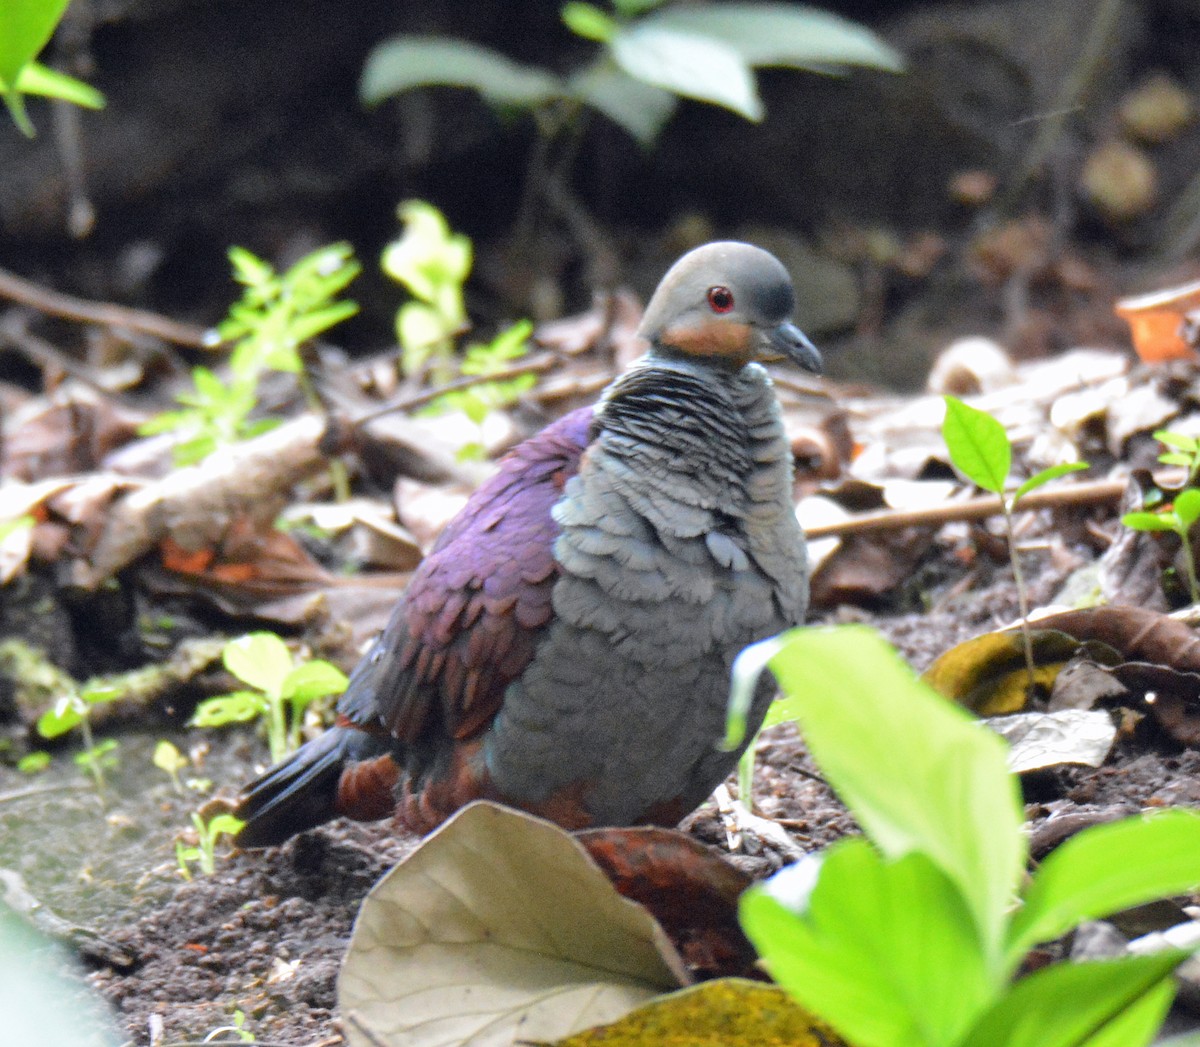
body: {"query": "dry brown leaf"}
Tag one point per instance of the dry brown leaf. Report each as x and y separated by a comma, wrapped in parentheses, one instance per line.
(691, 891)
(498, 928)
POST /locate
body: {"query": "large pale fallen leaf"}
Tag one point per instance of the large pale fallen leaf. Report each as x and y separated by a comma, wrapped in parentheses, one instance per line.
(728, 1012)
(1040, 740)
(498, 928)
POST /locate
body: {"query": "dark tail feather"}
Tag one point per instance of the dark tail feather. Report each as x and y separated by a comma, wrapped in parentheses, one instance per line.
(301, 792)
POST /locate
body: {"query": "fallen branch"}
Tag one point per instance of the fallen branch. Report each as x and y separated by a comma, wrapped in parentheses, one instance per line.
(55, 303)
(1095, 492)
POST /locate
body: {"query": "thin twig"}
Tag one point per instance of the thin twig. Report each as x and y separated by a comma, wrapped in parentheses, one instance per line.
(533, 365)
(109, 314)
(41, 790)
(1095, 492)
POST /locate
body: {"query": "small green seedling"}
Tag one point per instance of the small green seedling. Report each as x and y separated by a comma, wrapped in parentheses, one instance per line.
(34, 762)
(169, 759)
(1186, 452)
(276, 315)
(238, 1028)
(74, 709)
(207, 835)
(478, 401)
(1179, 518)
(283, 689)
(915, 935)
(25, 28)
(980, 449)
(432, 263)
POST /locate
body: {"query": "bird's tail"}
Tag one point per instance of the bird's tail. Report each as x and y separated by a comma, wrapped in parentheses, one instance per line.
(305, 790)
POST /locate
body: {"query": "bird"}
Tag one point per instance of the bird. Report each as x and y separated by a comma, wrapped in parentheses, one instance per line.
(566, 645)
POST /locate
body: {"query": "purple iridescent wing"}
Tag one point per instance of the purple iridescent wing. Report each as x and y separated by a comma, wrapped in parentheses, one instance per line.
(472, 614)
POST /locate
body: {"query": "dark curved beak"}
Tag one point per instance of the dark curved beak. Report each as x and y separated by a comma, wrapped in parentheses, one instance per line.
(788, 340)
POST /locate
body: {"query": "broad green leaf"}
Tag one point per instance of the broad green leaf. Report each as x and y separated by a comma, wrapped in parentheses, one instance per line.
(1149, 521)
(640, 108)
(1176, 458)
(783, 35)
(1081, 1004)
(978, 445)
(60, 719)
(1045, 476)
(405, 62)
(260, 659)
(688, 64)
(1187, 506)
(38, 79)
(1178, 440)
(1104, 869)
(224, 709)
(885, 951)
(25, 28)
(860, 709)
(588, 21)
(314, 679)
(498, 928)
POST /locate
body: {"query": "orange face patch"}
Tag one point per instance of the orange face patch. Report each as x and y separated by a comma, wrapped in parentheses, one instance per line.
(715, 338)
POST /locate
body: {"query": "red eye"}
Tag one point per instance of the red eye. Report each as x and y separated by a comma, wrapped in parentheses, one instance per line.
(720, 299)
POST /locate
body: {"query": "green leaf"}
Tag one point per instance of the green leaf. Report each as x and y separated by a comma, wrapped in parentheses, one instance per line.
(38, 79)
(224, 709)
(1045, 476)
(315, 323)
(688, 64)
(884, 951)
(431, 262)
(859, 708)
(405, 62)
(314, 679)
(419, 326)
(589, 21)
(1106, 1003)
(34, 762)
(25, 28)
(1177, 440)
(1176, 458)
(639, 108)
(168, 758)
(1187, 507)
(223, 825)
(978, 445)
(783, 35)
(260, 659)
(63, 717)
(1150, 521)
(1104, 869)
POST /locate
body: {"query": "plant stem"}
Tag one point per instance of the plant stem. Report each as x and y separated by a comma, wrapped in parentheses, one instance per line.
(89, 743)
(1189, 562)
(277, 731)
(1023, 600)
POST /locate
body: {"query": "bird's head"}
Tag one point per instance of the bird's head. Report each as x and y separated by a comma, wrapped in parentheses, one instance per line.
(730, 303)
